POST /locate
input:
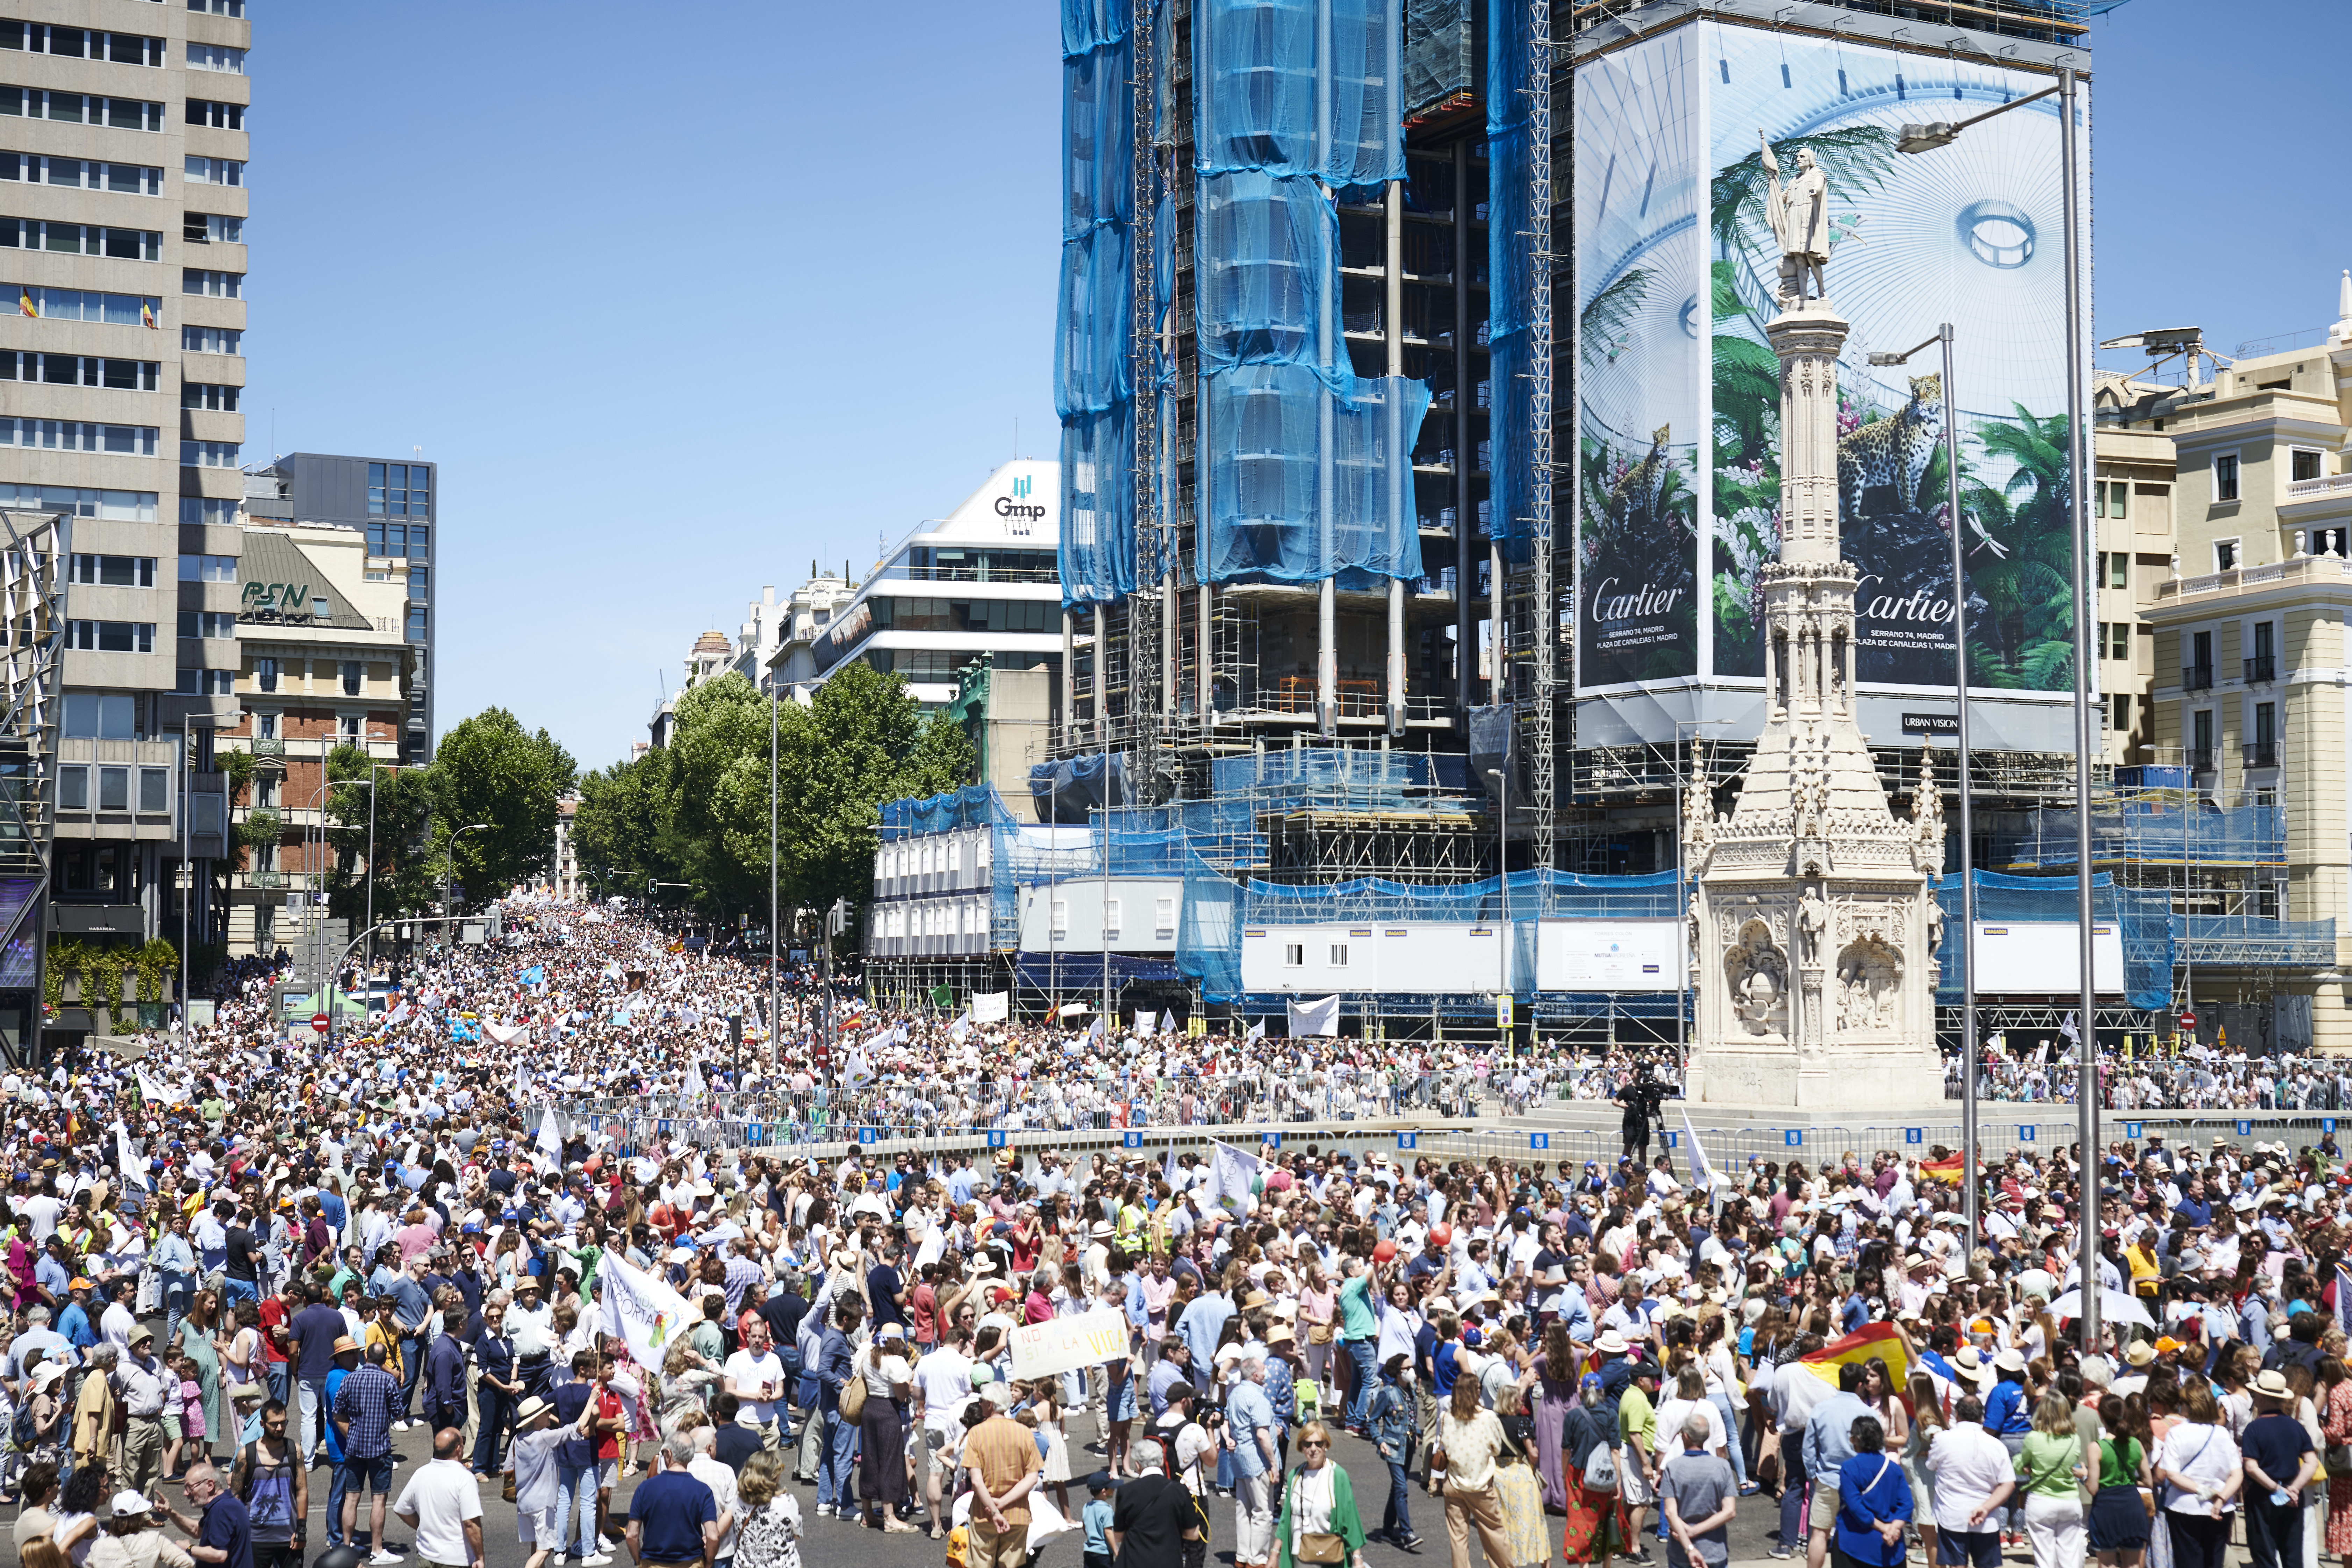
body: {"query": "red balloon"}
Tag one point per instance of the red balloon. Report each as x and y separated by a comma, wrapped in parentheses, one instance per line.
(1442, 1233)
(1385, 1252)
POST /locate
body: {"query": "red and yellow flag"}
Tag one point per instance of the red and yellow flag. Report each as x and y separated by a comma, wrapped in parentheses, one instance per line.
(147, 314)
(25, 306)
(1872, 1341)
(1950, 1168)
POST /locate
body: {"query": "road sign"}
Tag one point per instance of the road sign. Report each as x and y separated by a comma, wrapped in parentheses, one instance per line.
(1794, 1137)
(1914, 1134)
(2028, 1135)
(1408, 1140)
(319, 1021)
(995, 1140)
(1134, 1140)
(1543, 1140)
(869, 1135)
(2187, 1020)
(755, 1132)
(2132, 1129)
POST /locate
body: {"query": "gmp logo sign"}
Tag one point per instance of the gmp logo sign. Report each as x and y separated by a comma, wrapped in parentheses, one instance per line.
(1017, 509)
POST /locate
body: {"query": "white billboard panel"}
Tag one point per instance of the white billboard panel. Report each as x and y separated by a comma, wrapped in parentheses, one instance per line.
(1608, 954)
(2039, 958)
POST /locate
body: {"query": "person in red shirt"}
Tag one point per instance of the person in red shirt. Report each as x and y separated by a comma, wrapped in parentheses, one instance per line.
(923, 1309)
(612, 1417)
(276, 1311)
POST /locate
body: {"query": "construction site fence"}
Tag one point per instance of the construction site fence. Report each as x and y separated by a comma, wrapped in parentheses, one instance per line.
(1732, 1150)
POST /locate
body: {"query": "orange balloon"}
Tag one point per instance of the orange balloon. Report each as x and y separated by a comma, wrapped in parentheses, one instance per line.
(1442, 1233)
(1385, 1252)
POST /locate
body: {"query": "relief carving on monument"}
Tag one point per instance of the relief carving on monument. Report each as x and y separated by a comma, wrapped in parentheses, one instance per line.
(1758, 975)
(1869, 982)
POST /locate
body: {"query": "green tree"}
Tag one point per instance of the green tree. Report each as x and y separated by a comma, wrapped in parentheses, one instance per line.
(624, 811)
(402, 872)
(492, 771)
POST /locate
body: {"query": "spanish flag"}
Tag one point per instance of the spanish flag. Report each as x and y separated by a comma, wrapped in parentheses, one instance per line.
(147, 314)
(1952, 1168)
(25, 306)
(1872, 1341)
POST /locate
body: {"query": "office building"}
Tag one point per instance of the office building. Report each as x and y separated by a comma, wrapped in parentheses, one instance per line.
(395, 503)
(122, 205)
(324, 662)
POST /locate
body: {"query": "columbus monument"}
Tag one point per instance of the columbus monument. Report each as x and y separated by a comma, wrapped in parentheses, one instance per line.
(1813, 923)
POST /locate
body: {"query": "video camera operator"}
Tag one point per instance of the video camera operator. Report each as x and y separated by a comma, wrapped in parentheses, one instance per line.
(1640, 1095)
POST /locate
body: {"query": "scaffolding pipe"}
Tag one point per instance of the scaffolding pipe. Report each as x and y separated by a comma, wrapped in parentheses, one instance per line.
(1400, 485)
(1102, 677)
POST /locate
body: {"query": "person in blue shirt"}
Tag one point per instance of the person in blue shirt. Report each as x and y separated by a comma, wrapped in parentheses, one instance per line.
(1873, 1511)
(74, 1321)
(1096, 1519)
(1390, 1416)
(1828, 1445)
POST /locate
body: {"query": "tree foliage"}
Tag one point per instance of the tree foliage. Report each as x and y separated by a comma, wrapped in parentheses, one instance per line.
(490, 770)
(403, 872)
(698, 811)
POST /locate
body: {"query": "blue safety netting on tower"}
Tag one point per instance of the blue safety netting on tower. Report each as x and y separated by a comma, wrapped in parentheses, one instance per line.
(1308, 466)
(1512, 272)
(2143, 915)
(1093, 371)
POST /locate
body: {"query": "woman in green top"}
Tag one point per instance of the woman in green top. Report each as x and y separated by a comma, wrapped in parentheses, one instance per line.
(196, 1331)
(2119, 1520)
(2050, 1472)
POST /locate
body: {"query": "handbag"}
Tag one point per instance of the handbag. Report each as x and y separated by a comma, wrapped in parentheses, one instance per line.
(852, 1396)
(1319, 1333)
(1320, 1546)
(2338, 1459)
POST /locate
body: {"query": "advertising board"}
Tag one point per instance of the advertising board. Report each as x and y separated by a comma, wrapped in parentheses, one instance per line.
(1608, 954)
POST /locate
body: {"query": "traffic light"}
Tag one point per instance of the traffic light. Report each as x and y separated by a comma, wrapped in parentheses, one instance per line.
(837, 921)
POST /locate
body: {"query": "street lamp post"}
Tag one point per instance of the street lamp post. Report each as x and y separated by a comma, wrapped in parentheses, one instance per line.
(1968, 1194)
(773, 808)
(1917, 139)
(449, 864)
(1502, 778)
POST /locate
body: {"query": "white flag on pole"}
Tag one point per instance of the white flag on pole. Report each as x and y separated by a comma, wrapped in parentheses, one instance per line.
(689, 1088)
(644, 1312)
(1320, 1017)
(550, 1140)
(1233, 1175)
(132, 1168)
(1703, 1174)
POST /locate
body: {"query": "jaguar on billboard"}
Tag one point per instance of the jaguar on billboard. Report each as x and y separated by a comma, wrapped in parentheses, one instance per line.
(1678, 394)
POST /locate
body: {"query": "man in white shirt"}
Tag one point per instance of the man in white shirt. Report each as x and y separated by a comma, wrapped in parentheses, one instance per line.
(706, 1468)
(1974, 1476)
(755, 1375)
(942, 1390)
(443, 1504)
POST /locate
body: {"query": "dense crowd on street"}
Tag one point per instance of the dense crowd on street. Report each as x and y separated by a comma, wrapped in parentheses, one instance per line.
(247, 1260)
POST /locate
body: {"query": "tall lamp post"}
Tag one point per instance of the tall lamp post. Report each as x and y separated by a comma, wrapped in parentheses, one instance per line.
(1502, 778)
(1968, 1194)
(1682, 896)
(1919, 139)
(449, 866)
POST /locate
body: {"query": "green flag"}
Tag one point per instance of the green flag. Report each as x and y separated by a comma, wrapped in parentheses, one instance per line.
(942, 996)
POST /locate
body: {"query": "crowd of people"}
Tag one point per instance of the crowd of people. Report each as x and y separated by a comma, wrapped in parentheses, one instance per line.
(250, 1260)
(2198, 1078)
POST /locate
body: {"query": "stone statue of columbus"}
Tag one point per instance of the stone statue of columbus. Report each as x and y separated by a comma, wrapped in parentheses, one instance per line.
(1798, 213)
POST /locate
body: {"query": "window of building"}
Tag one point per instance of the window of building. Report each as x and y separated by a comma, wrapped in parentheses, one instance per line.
(207, 624)
(2225, 478)
(265, 675)
(2118, 569)
(77, 239)
(2225, 555)
(265, 726)
(206, 682)
(1293, 955)
(1061, 917)
(1163, 923)
(82, 108)
(201, 171)
(100, 715)
(2303, 463)
(73, 788)
(154, 789)
(219, 116)
(114, 788)
(208, 509)
(395, 540)
(209, 568)
(216, 58)
(1111, 917)
(2122, 705)
(264, 789)
(212, 285)
(208, 455)
(2263, 664)
(80, 370)
(209, 228)
(82, 173)
(262, 857)
(2264, 751)
(353, 672)
(2200, 740)
(111, 636)
(80, 304)
(418, 580)
(218, 8)
(2110, 498)
(123, 505)
(210, 395)
(212, 339)
(84, 44)
(113, 570)
(416, 623)
(351, 727)
(66, 436)
(400, 489)
(1338, 955)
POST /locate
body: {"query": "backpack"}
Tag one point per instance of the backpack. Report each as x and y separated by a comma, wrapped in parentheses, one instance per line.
(22, 1429)
(1601, 1473)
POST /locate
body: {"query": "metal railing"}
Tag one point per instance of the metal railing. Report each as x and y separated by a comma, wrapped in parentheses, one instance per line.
(2260, 754)
(2261, 667)
(2196, 678)
(2199, 761)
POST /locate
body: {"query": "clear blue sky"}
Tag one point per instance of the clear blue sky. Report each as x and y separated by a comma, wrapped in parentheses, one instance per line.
(681, 299)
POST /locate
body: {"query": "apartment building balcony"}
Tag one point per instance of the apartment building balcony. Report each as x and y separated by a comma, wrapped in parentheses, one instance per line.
(2196, 678)
(2200, 761)
(2261, 667)
(2260, 754)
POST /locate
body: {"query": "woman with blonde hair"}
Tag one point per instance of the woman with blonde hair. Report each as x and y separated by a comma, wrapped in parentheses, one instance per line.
(1469, 1438)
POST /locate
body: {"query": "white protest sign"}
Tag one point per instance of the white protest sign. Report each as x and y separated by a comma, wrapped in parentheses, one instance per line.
(641, 1310)
(1065, 1344)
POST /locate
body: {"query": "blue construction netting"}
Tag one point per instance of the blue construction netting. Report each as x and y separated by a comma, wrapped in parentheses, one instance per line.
(1094, 379)
(2151, 827)
(1511, 273)
(2144, 915)
(1072, 790)
(1307, 467)
(974, 805)
(1209, 933)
